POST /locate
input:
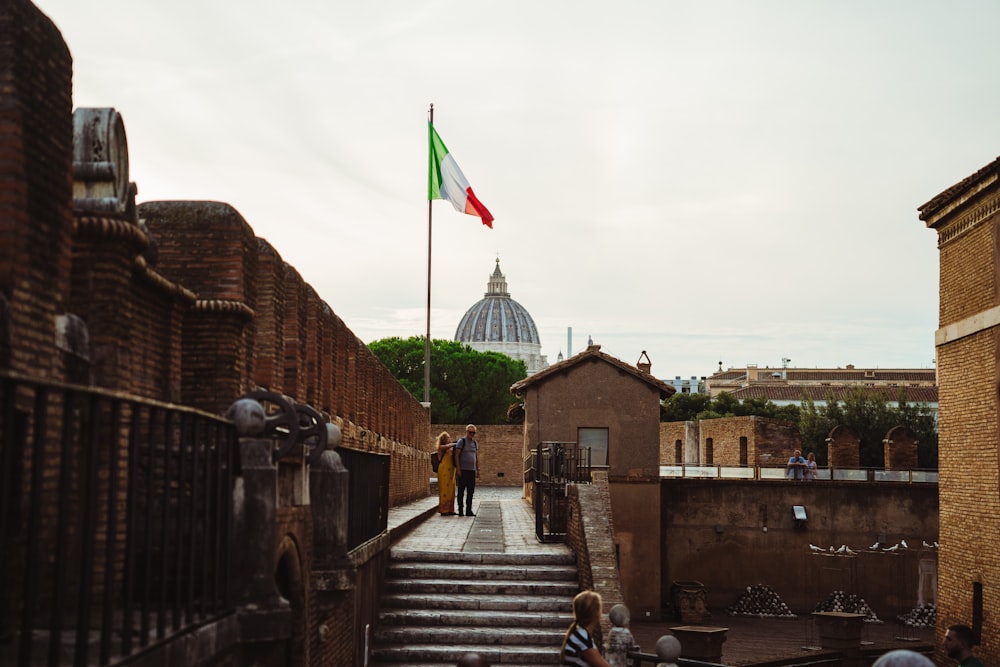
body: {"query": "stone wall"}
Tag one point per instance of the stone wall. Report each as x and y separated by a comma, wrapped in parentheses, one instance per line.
(730, 534)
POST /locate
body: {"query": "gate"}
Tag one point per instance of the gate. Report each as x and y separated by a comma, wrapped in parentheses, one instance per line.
(556, 465)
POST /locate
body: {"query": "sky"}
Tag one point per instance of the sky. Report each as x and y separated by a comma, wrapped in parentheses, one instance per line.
(731, 182)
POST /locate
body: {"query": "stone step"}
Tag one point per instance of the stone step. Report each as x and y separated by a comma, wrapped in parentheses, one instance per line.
(455, 618)
(526, 572)
(424, 601)
(436, 654)
(448, 587)
(406, 555)
(476, 636)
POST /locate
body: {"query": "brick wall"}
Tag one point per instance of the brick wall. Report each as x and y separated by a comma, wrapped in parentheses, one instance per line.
(590, 534)
(900, 449)
(966, 219)
(500, 449)
(767, 442)
(36, 141)
(673, 435)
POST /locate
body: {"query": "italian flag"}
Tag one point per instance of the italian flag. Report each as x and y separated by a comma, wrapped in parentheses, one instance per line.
(446, 181)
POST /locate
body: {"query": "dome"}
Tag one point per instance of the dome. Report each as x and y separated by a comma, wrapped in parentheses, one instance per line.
(500, 324)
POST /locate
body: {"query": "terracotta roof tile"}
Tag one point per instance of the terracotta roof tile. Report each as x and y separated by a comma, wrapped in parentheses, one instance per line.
(937, 203)
(798, 393)
(593, 352)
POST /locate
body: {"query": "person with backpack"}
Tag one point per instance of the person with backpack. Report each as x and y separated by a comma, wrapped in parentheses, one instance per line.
(467, 468)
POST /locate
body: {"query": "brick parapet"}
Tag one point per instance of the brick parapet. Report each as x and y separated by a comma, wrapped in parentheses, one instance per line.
(590, 534)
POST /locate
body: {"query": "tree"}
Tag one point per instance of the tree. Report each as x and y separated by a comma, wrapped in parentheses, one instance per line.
(683, 407)
(871, 415)
(688, 407)
(466, 385)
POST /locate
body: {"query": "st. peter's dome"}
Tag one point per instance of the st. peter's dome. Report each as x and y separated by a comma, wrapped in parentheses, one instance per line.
(498, 323)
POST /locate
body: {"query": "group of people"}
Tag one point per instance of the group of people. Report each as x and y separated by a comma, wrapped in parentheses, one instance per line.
(801, 468)
(458, 467)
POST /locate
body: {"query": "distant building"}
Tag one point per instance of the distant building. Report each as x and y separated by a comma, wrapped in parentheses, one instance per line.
(694, 385)
(790, 386)
(498, 323)
(754, 376)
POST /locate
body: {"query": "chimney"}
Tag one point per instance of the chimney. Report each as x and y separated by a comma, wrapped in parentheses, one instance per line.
(644, 366)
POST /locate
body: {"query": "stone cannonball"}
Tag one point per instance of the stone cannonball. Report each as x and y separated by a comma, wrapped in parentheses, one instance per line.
(619, 615)
(248, 416)
(668, 648)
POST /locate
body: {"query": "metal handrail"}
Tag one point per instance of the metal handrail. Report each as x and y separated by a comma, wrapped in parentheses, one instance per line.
(777, 472)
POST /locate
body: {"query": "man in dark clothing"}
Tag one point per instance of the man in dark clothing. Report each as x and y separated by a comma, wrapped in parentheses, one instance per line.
(467, 465)
(958, 644)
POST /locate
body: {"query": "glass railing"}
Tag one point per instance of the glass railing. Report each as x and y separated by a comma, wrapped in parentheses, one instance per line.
(693, 471)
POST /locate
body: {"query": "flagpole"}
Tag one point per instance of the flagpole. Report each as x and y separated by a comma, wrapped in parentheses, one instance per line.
(427, 337)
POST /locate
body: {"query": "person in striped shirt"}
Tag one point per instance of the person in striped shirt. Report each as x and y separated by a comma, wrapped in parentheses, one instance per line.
(578, 646)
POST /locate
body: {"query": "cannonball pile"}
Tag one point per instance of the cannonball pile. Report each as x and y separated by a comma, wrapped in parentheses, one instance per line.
(760, 600)
(921, 616)
(847, 603)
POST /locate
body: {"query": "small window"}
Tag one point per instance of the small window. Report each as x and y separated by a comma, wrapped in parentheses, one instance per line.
(678, 452)
(744, 453)
(709, 452)
(595, 439)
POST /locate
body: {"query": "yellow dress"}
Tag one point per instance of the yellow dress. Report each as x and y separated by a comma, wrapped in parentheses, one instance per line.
(446, 483)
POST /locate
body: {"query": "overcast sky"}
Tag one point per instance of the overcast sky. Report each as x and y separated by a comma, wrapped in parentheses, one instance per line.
(707, 181)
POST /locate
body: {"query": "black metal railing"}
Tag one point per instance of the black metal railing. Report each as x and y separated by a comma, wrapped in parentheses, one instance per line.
(369, 494)
(555, 465)
(115, 521)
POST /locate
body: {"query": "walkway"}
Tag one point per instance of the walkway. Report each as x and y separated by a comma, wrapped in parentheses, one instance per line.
(504, 523)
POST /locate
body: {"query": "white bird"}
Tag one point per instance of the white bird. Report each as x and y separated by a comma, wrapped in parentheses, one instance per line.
(832, 550)
(875, 546)
(894, 547)
(903, 544)
(929, 546)
(848, 550)
(936, 545)
(813, 547)
(842, 549)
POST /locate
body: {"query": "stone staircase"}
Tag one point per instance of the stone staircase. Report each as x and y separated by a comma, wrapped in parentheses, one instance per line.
(513, 609)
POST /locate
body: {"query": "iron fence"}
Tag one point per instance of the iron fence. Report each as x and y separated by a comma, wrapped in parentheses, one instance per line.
(555, 465)
(115, 522)
(369, 494)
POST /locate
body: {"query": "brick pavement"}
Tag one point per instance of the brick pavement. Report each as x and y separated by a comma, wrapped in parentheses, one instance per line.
(423, 529)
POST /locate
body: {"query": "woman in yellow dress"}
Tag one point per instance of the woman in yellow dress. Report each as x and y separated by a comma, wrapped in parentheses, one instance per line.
(446, 475)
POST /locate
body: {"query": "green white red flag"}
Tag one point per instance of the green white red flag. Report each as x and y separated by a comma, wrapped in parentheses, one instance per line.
(446, 181)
